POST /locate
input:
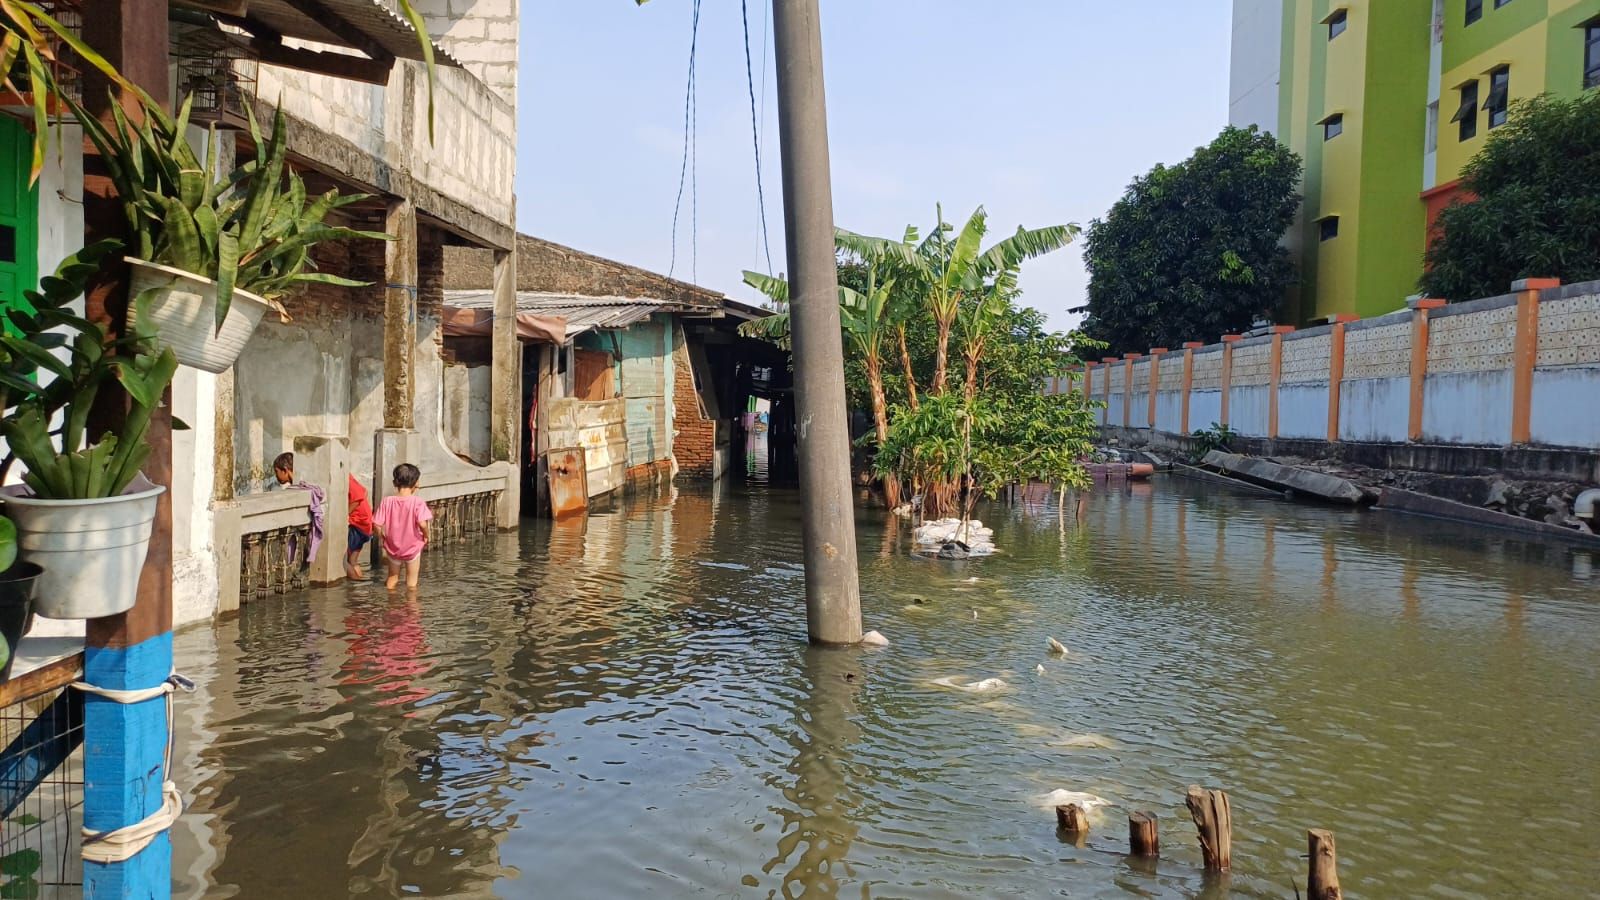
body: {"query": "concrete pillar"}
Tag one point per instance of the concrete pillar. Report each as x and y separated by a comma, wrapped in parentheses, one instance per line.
(1419, 361)
(391, 447)
(1155, 381)
(1188, 383)
(505, 419)
(1275, 376)
(400, 316)
(324, 460)
(1105, 414)
(1228, 340)
(1088, 380)
(1525, 355)
(1336, 370)
(1127, 389)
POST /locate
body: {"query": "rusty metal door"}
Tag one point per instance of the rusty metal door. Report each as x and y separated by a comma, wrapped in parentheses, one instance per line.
(569, 483)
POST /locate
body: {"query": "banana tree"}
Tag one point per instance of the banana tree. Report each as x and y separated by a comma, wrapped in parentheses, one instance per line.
(950, 270)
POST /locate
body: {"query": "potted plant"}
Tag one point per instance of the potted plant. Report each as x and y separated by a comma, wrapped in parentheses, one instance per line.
(17, 580)
(83, 511)
(210, 243)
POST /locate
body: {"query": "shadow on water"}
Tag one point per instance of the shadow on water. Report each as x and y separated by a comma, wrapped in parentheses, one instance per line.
(623, 706)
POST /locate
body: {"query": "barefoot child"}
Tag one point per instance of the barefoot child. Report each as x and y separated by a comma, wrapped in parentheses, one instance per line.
(401, 523)
(360, 530)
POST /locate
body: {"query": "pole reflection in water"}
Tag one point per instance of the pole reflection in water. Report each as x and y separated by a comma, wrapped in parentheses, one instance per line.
(818, 826)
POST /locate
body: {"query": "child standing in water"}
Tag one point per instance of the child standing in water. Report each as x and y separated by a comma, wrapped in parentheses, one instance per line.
(360, 530)
(401, 523)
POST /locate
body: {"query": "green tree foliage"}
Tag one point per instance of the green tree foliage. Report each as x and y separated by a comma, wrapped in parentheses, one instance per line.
(1537, 206)
(1193, 251)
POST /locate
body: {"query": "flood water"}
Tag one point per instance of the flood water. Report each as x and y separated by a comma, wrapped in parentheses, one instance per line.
(626, 708)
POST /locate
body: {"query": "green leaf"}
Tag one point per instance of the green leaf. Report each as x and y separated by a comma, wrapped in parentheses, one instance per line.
(227, 273)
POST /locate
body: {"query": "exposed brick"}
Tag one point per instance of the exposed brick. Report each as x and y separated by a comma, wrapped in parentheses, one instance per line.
(550, 267)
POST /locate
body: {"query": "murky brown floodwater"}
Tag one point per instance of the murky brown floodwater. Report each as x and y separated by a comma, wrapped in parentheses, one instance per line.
(627, 710)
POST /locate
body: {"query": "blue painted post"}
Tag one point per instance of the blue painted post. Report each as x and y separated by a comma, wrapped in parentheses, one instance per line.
(124, 750)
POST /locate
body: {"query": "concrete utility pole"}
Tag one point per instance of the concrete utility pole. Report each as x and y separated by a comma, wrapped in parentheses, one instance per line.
(833, 592)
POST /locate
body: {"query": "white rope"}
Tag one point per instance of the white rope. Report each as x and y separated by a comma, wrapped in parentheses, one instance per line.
(122, 844)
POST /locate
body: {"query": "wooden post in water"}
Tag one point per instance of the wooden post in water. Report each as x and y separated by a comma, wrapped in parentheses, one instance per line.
(1323, 881)
(1143, 836)
(1214, 820)
(1071, 818)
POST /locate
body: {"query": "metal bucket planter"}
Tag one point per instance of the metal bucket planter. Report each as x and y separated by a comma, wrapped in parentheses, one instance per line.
(91, 550)
(184, 307)
(16, 610)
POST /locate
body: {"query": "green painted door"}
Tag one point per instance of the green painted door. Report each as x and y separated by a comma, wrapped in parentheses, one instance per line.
(19, 216)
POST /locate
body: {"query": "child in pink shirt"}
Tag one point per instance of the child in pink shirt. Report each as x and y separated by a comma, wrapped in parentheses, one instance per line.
(402, 525)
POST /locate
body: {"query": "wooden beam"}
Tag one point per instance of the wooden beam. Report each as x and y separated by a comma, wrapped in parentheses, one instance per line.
(338, 65)
(343, 29)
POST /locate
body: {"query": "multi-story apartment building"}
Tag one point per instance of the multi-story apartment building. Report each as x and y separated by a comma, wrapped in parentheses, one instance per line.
(1386, 101)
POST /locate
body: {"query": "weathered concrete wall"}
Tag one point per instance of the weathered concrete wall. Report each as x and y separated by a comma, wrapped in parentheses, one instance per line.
(1375, 398)
(1117, 374)
(1467, 394)
(1303, 384)
(1249, 389)
(482, 34)
(466, 411)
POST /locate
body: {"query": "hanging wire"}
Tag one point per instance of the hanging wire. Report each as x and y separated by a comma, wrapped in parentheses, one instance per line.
(755, 127)
(688, 131)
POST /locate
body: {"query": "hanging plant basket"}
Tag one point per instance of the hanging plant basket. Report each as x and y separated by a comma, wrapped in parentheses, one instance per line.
(184, 307)
(91, 550)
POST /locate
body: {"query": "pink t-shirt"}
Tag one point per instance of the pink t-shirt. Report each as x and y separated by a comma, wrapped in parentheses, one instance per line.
(401, 520)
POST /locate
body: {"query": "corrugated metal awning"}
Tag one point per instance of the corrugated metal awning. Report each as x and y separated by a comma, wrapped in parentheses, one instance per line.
(344, 23)
(582, 313)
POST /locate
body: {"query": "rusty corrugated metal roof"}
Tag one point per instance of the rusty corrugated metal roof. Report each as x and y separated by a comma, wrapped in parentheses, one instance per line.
(376, 19)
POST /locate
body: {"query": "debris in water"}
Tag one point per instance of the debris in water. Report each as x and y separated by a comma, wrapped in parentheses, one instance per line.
(974, 615)
(939, 535)
(1056, 647)
(1039, 668)
(1086, 742)
(874, 639)
(972, 580)
(985, 686)
(1089, 803)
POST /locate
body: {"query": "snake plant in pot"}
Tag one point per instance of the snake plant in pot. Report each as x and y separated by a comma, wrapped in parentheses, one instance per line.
(83, 511)
(215, 251)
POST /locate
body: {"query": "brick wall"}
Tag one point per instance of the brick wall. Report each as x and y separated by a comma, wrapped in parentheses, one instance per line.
(694, 445)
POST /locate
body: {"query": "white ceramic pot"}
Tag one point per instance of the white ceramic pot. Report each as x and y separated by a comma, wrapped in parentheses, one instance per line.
(91, 550)
(185, 309)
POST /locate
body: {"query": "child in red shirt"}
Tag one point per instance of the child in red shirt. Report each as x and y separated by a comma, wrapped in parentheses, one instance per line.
(360, 530)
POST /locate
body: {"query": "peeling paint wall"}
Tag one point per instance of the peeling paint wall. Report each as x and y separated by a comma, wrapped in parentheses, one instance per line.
(466, 411)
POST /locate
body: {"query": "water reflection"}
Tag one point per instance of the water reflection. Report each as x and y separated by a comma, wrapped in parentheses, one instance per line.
(620, 705)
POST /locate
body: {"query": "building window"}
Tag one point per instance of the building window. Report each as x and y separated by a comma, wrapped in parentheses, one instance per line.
(1467, 113)
(1499, 96)
(1328, 228)
(1500, 3)
(1433, 127)
(1337, 23)
(1332, 126)
(1591, 56)
(1474, 11)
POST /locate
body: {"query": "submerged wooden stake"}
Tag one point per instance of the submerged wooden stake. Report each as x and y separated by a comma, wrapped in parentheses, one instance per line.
(1214, 820)
(1323, 882)
(1071, 818)
(1143, 837)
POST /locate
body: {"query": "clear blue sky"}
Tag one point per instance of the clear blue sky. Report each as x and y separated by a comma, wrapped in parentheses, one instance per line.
(1041, 110)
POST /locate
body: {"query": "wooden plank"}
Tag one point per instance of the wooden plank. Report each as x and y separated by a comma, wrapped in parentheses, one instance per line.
(57, 673)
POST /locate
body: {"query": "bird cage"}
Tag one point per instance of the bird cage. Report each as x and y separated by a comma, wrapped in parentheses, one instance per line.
(216, 68)
(65, 66)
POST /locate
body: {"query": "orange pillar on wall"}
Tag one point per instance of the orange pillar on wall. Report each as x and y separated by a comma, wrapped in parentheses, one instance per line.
(1088, 380)
(1336, 371)
(1188, 382)
(1155, 381)
(1275, 370)
(1419, 361)
(1228, 340)
(1525, 355)
(1127, 389)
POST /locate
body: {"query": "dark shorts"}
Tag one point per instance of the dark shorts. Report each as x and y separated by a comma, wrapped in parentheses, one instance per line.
(357, 539)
